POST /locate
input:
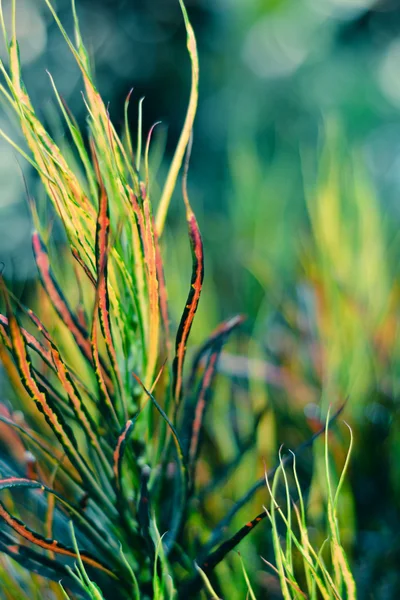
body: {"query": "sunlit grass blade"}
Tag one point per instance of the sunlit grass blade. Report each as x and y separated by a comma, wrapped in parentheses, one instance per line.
(81, 575)
(184, 139)
(207, 583)
(77, 138)
(247, 580)
(153, 290)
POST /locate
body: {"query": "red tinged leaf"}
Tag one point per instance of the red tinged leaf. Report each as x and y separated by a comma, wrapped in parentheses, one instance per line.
(148, 241)
(30, 340)
(154, 279)
(35, 562)
(51, 412)
(61, 305)
(66, 380)
(191, 303)
(105, 325)
(72, 374)
(139, 215)
(101, 251)
(79, 408)
(42, 352)
(152, 285)
(103, 390)
(70, 388)
(196, 245)
(4, 333)
(55, 362)
(60, 428)
(49, 544)
(101, 256)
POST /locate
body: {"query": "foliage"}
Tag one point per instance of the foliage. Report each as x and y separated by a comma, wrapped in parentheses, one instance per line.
(118, 426)
(321, 580)
(94, 372)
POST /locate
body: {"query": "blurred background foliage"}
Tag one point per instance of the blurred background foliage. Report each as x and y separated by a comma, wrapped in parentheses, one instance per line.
(295, 179)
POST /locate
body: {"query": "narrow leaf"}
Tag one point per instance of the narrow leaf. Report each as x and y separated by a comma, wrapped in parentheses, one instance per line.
(191, 303)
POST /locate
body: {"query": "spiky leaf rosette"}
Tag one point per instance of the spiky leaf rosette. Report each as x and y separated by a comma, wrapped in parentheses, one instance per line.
(96, 360)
